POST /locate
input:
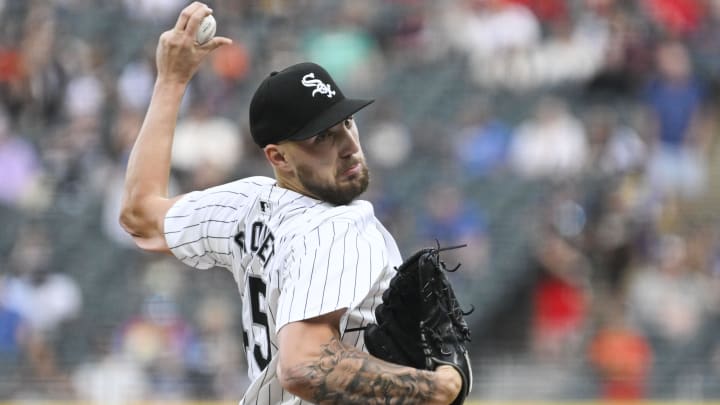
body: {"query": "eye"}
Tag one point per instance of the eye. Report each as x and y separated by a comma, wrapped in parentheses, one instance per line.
(349, 122)
(321, 137)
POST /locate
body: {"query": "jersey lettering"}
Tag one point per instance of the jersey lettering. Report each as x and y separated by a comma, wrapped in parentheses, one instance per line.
(261, 354)
(258, 229)
(262, 242)
(240, 240)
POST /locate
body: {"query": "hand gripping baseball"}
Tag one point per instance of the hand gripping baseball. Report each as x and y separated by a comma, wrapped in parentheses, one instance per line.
(178, 55)
(420, 323)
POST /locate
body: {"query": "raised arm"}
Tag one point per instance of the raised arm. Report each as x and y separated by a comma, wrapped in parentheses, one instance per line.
(315, 365)
(145, 199)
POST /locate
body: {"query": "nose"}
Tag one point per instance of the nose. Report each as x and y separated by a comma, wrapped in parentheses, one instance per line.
(349, 144)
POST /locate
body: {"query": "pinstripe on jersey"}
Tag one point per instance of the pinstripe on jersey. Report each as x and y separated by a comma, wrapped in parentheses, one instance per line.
(293, 258)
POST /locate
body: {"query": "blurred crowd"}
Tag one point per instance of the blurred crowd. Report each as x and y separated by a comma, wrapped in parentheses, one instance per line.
(571, 144)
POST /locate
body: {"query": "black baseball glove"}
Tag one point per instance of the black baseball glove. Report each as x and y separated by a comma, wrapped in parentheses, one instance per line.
(420, 323)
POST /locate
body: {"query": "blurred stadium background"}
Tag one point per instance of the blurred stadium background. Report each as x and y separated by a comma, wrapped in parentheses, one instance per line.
(571, 144)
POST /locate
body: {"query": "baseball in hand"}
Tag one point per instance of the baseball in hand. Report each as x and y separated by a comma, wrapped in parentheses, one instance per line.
(206, 30)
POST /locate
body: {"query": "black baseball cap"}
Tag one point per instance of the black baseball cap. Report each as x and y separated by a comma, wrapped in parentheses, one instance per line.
(297, 103)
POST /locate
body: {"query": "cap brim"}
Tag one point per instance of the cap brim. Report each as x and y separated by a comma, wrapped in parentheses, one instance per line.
(330, 117)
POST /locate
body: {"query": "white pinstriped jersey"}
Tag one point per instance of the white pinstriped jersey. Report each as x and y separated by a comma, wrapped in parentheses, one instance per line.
(293, 258)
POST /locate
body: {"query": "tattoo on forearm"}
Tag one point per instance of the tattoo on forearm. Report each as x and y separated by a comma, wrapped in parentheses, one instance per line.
(346, 375)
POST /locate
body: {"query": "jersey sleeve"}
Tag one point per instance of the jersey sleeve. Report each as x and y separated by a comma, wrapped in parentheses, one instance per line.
(332, 267)
(201, 226)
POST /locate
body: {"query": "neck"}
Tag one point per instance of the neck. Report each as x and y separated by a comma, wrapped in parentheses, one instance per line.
(293, 185)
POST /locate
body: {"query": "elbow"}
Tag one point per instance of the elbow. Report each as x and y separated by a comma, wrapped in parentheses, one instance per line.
(287, 378)
(293, 379)
(129, 219)
(140, 229)
(135, 221)
(143, 220)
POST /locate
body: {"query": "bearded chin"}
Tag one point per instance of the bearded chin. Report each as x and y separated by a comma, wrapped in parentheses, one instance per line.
(335, 194)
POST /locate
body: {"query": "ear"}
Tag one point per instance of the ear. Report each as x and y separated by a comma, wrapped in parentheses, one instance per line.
(276, 156)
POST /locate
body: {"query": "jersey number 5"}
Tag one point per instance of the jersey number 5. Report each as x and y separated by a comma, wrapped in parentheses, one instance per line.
(259, 318)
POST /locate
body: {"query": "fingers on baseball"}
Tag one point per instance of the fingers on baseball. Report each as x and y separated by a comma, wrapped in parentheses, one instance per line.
(193, 24)
(191, 16)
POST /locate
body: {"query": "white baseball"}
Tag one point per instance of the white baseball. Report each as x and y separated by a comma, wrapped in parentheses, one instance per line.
(206, 30)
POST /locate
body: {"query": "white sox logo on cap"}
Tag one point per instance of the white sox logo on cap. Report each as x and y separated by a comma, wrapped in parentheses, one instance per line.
(279, 109)
(309, 80)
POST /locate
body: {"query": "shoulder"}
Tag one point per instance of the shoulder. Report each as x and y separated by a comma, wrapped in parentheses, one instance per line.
(338, 220)
(243, 188)
(246, 185)
(257, 181)
(358, 211)
(225, 200)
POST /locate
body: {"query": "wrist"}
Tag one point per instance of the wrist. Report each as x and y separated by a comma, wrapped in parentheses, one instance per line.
(171, 86)
(449, 383)
(168, 93)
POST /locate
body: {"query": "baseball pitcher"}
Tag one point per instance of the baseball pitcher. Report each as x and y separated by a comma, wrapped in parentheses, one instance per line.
(321, 279)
